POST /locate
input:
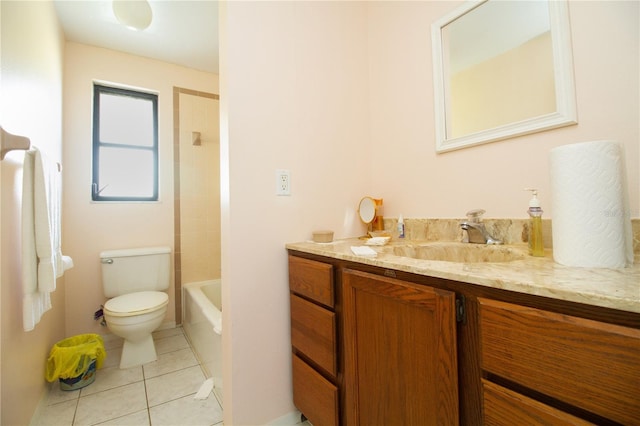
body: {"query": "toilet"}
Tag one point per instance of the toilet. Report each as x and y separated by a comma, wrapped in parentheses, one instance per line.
(136, 281)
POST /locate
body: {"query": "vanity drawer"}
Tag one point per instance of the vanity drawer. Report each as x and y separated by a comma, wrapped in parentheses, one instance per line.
(315, 396)
(312, 279)
(313, 332)
(589, 364)
(504, 407)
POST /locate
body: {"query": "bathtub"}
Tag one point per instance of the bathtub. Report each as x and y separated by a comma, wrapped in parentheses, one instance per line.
(202, 323)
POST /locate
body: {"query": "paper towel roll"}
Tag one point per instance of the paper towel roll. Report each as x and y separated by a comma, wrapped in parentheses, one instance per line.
(591, 218)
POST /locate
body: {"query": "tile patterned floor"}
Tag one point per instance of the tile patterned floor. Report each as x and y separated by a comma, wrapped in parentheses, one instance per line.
(156, 394)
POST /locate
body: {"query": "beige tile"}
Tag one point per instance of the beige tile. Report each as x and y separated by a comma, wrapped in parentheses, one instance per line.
(57, 414)
(119, 397)
(57, 395)
(170, 344)
(140, 418)
(167, 332)
(112, 377)
(174, 385)
(218, 394)
(187, 411)
(111, 404)
(170, 362)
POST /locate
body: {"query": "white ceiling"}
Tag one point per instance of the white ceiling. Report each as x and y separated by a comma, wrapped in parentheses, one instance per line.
(183, 32)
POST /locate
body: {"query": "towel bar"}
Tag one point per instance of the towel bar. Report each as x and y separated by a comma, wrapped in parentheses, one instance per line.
(9, 142)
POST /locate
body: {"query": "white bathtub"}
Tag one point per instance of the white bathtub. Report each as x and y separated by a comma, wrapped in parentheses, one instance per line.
(202, 323)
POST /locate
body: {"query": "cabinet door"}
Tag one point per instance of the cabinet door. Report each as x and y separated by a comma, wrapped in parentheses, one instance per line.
(400, 352)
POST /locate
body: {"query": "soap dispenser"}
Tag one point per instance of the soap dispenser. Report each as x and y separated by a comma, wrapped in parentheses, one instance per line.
(400, 227)
(536, 246)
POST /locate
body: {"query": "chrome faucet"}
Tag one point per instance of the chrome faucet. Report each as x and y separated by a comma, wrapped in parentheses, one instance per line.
(475, 229)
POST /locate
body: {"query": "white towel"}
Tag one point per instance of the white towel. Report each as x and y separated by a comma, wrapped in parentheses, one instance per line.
(46, 212)
(42, 260)
(363, 251)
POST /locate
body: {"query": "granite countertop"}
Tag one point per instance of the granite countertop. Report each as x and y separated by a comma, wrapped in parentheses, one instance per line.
(610, 288)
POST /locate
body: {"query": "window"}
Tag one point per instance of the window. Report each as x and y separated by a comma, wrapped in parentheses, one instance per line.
(125, 145)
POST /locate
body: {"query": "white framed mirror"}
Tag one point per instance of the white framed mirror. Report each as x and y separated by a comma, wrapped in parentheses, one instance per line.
(501, 69)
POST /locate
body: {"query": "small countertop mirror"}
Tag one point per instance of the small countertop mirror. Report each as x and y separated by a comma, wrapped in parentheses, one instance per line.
(501, 69)
(367, 209)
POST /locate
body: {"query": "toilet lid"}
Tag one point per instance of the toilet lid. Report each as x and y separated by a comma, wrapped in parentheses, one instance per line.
(136, 303)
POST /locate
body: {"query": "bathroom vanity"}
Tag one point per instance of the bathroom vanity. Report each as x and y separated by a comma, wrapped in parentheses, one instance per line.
(397, 340)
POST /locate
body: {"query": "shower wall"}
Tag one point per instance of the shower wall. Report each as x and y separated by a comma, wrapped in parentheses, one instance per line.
(197, 188)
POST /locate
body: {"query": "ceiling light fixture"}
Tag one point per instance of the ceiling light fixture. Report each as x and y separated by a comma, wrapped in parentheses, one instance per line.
(134, 14)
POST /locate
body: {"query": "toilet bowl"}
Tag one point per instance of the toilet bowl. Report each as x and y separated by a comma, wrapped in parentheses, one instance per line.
(134, 317)
(136, 281)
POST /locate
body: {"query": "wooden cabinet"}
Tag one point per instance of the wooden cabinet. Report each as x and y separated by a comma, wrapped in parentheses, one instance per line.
(374, 346)
(314, 340)
(400, 352)
(589, 367)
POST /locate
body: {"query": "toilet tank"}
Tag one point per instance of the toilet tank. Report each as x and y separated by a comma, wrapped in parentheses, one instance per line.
(140, 269)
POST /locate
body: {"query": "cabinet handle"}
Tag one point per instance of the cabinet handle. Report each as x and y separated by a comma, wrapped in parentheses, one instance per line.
(461, 314)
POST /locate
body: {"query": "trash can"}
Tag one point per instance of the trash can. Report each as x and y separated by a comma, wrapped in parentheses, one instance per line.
(74, 360)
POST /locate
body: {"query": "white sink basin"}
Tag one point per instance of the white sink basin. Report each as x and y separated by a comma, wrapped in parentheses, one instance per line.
(459, 252)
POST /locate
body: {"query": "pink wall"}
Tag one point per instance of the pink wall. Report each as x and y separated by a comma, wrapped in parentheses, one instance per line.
(30, 105)
(417, 182)
(341, 94)
(294, 95)
(89, 227)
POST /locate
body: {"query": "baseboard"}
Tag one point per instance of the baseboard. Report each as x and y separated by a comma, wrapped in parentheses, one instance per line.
(42, 405)
(292, 418)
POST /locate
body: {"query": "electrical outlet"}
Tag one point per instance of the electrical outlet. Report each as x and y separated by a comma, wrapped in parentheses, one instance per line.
(283, 182)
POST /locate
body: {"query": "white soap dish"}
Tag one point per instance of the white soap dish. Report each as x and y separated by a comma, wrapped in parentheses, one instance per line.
(377, 241)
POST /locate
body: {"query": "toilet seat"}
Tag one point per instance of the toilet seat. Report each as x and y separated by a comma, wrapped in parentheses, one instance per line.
(136, 303)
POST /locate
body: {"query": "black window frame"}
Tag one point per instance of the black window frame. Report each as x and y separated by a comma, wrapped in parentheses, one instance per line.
(99, 89)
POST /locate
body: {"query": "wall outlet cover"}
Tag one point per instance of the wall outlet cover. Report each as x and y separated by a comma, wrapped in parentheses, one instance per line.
(283, 182)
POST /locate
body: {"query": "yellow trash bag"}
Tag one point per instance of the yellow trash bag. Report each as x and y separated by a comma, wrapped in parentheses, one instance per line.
(72, 356)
